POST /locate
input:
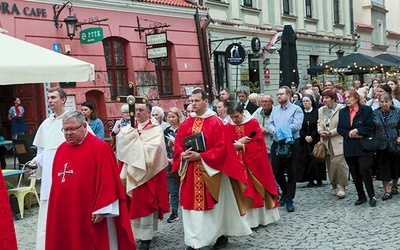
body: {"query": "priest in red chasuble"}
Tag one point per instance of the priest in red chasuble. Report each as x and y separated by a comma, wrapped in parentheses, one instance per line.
(7, 231)
(245, 133)
(87, 208)
(144, 160)
(214, 191)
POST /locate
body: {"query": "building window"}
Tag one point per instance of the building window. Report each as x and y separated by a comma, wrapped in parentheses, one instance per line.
(313, 62)
(164, 76)
(286, 7)
(336, 13)
(248, 3)
(380, 31)
(114, 53)
(220, 71)
(308, 9)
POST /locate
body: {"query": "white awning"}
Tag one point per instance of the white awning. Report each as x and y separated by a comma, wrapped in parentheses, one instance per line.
(23, 62)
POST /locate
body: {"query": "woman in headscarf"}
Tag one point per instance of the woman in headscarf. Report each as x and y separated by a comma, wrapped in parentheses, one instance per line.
(311, 169)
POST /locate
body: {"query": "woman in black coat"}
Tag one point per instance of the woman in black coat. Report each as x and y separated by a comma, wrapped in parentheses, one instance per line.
(356, 122)
(311, 169)
(387, 121)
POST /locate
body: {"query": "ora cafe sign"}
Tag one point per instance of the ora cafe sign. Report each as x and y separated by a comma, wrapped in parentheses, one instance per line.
(91, 35)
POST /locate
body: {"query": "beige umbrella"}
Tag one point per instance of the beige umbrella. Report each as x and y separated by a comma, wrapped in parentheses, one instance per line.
(23, 62)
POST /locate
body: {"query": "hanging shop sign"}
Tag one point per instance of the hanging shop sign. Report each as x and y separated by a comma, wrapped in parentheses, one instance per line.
(255, 44)
(235, 54)
(91, 35)
(157, 53)
(156, 39)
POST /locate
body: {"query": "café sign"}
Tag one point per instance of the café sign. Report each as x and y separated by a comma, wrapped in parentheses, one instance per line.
(14, 9)
(91, 35)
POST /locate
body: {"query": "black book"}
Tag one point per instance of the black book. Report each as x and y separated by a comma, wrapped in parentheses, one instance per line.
(196, 142)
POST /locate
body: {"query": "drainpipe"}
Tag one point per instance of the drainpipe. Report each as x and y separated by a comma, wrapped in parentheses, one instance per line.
(204, 59)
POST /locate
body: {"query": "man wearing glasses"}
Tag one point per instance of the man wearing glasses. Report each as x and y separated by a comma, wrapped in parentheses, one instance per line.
(285, 123)
(142, 151)
(48, 137)
(262, 115)
(87, 205)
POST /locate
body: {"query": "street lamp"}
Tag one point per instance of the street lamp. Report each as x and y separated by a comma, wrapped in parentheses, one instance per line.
(71, 21)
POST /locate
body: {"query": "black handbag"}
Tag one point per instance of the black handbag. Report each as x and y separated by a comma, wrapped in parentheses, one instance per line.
(369, 143)
(283, 151)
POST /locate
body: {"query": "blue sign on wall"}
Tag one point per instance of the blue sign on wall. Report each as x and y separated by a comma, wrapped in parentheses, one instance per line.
(57, 47)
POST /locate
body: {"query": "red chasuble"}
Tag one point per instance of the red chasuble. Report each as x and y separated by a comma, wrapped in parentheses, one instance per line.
(219, 155)
(254, 158)
(85, 179)
(7, 231)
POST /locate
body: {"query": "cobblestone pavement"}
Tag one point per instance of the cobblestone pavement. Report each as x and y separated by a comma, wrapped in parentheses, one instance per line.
(321, 221)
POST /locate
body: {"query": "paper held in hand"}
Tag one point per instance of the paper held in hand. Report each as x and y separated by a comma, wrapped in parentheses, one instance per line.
(196, 142)
(170, 138)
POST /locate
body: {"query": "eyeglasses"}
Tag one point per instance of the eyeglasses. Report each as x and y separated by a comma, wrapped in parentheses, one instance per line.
(140, 110)
(70, 130)
(265, 101)
(279, 94)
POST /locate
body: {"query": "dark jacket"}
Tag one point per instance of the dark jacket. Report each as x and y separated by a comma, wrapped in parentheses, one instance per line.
(364, 123)
(388, 127)
(251, 107)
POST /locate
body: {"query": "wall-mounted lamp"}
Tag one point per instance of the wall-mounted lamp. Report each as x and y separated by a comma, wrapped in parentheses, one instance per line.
(71, 21)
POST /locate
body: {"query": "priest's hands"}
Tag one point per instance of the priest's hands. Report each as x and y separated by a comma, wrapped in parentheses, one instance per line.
(97, 218)
(190, 155)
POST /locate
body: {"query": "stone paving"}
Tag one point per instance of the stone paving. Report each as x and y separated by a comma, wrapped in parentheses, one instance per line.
(321, 221)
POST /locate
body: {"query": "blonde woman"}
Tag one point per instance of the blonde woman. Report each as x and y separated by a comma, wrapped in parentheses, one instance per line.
(174, 118)
(328, 117)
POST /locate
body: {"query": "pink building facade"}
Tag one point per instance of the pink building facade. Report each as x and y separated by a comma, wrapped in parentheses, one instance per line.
(120, 58)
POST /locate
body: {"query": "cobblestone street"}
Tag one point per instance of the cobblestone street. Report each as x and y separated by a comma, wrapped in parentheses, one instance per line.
(320, 221)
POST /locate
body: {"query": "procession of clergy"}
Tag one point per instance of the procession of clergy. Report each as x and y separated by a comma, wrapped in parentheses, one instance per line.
(95, 198)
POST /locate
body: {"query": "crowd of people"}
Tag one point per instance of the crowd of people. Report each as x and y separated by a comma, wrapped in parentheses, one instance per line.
(227, 164)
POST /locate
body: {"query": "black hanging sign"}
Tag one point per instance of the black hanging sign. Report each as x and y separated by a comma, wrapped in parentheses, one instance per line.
(235, 54)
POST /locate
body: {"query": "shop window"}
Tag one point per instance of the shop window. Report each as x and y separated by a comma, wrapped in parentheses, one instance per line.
(220, 71)
(115, 55)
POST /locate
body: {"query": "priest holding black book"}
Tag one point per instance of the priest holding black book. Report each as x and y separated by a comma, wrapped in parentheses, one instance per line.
(212, 203)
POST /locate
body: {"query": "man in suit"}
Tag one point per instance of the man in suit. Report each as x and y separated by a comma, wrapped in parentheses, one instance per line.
(243, 94)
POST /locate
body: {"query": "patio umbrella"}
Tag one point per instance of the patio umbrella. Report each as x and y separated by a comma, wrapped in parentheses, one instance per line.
(288, 58)
(23, 62)
(358, 63)
(390, 58)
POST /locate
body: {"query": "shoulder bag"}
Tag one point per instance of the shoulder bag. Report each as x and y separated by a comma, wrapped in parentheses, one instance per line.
(319, 150)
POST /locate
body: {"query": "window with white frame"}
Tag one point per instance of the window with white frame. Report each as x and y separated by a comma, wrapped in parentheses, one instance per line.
(248, 3)
(336, 11)
(287, 7)
(308, 8)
